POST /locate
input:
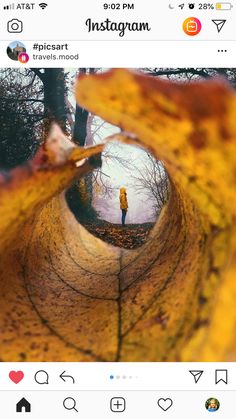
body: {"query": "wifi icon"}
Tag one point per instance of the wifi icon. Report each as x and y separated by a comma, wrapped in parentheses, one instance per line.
(43, 5)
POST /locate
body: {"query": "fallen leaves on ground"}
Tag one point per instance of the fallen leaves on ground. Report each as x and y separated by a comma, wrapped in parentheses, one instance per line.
(128, 236)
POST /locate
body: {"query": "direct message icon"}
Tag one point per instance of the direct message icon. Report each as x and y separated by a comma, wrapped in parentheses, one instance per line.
(196, 375)
(219, 24)
(165, 404)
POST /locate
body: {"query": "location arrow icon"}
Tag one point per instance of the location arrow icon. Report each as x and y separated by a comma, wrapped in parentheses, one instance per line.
(196, 375)
(219, 24)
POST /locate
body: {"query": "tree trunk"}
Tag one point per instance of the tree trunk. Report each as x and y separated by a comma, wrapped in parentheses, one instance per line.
(54, 97)
(80, 127)
(80, 195)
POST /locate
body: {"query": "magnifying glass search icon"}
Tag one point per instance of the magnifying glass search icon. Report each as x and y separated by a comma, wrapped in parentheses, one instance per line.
(70, 404)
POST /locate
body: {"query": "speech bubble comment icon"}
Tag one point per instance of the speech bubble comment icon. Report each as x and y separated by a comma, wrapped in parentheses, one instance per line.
(41, 377)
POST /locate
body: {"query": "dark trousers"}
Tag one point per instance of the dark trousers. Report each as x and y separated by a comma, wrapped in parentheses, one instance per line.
(124, 212)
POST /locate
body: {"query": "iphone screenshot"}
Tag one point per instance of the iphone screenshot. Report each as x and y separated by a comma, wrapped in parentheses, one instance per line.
(118, 209)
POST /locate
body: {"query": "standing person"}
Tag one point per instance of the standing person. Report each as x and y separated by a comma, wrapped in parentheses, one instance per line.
(123, 204)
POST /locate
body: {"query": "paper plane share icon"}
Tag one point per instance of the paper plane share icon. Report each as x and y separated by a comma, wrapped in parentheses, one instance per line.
(219, 24)
(196, 375)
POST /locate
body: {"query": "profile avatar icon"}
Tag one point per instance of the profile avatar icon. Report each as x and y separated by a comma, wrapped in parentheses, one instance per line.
(15, 49)
(212, 404)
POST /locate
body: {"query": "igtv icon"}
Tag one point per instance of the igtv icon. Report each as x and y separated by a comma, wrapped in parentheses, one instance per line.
(23, 58)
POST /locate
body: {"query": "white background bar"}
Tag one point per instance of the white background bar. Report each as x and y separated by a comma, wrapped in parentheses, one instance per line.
(129, 54)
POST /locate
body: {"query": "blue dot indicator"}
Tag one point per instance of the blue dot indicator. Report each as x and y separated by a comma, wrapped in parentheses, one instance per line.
(112, 377)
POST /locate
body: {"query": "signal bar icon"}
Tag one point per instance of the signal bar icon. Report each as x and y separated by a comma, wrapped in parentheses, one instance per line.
(9, 7)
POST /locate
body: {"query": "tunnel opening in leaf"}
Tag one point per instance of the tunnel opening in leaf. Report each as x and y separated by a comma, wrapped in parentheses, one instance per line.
(120, 201)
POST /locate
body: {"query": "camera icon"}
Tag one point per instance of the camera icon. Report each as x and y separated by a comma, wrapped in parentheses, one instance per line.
(15, 26)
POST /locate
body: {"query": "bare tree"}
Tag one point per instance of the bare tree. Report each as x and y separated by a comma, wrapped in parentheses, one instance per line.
(151, 179)
(113, 154)
(21, 116)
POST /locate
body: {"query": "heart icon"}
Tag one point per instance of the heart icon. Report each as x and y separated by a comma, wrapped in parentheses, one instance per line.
(16, 376)
(165, 404)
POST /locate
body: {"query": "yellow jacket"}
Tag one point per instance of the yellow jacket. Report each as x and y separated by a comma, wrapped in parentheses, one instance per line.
(123, 199)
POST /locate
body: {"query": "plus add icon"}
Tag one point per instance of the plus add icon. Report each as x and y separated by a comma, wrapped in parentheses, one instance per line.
(117, 404)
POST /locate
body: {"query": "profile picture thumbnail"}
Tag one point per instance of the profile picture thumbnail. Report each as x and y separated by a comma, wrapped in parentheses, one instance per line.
(15, 49)
(212, 404)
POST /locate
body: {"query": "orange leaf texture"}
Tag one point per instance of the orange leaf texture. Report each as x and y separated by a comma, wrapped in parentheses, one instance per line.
(68, 296)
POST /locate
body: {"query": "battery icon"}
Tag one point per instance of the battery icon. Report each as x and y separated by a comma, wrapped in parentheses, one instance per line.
(224, 6)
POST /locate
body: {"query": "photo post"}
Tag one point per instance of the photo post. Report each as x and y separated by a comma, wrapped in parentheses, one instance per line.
(117, 214)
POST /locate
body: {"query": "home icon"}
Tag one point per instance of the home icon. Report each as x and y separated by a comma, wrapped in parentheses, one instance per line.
(23, 406)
